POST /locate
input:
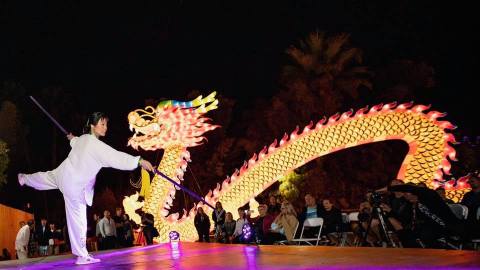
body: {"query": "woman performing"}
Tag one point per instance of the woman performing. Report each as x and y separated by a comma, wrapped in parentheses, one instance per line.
(75, 177)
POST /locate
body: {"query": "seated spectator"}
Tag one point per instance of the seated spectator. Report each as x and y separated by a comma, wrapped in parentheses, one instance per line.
(202, 224)
(273, 206)
(332, 217)
(441, 193)
(242, 220)
(284, 225)
(344, 204)
(332, 220)
(311, 209)
(229, 228)
(262, 223)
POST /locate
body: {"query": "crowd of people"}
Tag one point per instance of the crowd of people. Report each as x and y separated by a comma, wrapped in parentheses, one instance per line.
(119, 231)
(42, 240)
(414, 215)
(105, 233)
(406, 215)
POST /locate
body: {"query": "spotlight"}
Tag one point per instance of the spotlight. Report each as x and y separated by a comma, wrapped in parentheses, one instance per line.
(174, 236)
(246, 232)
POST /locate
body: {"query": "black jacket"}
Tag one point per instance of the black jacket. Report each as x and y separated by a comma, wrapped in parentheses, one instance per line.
(43, 236)
(435, 205)
(202, 225)
(221, 217)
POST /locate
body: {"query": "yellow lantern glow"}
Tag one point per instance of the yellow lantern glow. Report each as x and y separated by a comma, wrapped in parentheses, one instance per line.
(174, 128)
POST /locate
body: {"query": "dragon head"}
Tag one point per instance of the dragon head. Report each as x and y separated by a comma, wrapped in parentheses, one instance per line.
(171, 122)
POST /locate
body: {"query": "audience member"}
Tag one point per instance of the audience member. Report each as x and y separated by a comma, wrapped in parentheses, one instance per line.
(229, 228)
(218, 217)
(202, 224)
(108, 230)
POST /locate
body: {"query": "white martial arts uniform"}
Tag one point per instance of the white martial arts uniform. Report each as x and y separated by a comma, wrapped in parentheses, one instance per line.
(75, 178)
(21, 242)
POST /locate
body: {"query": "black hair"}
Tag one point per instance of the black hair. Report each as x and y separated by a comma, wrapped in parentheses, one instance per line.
(93, 120)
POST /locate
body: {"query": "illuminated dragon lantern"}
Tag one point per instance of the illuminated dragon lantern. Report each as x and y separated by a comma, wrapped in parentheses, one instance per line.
(174, 126)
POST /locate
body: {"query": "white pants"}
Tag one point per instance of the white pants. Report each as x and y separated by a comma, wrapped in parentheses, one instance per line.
(22, 254)
(75, 209)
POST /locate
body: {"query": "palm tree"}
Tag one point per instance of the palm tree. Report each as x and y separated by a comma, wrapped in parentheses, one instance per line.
(327, 69)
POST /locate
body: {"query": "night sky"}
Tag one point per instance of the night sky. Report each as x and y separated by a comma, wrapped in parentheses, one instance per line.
(111, 57)
(236, 47)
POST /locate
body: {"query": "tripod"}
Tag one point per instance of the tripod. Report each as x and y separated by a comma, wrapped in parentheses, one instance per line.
(376, 210)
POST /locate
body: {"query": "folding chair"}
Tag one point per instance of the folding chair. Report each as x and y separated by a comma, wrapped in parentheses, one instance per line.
(353, 217)
(344, 230)
(310, 222)
(461, 212)
(284, 242)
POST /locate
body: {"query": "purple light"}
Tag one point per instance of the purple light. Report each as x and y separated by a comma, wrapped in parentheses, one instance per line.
(174, 236)
(247, 232)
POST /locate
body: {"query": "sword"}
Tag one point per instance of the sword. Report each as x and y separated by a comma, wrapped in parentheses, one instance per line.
(49, 116)
(193, 194)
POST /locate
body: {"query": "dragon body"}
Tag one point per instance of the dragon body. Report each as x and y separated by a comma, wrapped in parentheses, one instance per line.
(175, 128)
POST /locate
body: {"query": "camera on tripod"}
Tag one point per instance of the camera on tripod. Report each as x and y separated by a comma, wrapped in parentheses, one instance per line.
(376, 199)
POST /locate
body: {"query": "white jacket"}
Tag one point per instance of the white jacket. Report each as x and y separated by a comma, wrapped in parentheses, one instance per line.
(23, 235)
(76, 174)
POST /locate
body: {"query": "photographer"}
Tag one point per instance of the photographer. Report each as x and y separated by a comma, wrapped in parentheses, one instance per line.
(385, 212)
(400, 214)
(432, 218)
(365, 218)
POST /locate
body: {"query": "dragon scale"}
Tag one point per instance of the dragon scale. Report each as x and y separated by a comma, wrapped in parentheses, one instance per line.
(428, 158)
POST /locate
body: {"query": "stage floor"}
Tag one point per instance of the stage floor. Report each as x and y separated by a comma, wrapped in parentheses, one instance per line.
(218, 256)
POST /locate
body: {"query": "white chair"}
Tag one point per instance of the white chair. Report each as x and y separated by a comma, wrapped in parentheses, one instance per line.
(353, 216)
(344, 231)
(310, 223)
(285, 242)
(459, 210)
